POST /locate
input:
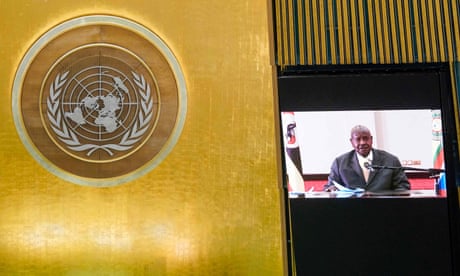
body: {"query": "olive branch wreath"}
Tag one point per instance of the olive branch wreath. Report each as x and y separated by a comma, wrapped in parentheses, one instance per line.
(68, 137)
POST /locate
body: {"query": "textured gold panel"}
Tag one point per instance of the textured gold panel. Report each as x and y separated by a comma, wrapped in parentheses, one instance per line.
(213, 206)
(387, 31)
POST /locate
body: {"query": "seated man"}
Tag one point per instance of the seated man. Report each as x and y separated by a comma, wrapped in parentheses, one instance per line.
(352, 168)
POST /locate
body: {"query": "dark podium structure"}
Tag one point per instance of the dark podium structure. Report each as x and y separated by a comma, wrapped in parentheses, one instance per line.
(371, 236)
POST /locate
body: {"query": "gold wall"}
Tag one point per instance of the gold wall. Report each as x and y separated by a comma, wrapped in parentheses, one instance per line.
(212, 207)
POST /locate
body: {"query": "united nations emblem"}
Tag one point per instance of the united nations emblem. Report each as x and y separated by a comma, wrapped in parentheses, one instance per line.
(99, 109)
(99, 100)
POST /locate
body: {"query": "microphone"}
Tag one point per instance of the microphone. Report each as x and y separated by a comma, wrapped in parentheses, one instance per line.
(368, 166)
(430, 170)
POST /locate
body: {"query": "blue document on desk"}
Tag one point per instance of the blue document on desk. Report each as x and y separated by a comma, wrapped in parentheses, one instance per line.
(347, 191)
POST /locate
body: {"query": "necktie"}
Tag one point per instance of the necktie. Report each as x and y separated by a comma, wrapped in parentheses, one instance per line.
(365, 173)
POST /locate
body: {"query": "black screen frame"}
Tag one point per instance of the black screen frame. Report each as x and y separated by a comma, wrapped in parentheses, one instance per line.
(377, 87)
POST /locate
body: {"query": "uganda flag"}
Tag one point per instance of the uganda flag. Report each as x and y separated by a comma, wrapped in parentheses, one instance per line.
(292, 153)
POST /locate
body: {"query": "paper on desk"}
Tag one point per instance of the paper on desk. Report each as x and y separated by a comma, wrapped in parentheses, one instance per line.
(294, 194)
(342, 188)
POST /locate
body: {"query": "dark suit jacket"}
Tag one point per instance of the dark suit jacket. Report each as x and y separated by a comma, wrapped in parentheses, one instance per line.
(346, 171)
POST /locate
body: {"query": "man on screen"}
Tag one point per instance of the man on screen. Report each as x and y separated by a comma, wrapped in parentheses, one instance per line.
(354, 169)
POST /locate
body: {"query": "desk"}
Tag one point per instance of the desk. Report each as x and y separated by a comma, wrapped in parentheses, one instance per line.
(389, 235)
(405, 194)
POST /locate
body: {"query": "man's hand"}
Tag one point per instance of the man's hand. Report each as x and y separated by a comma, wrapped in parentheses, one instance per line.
(331, 188)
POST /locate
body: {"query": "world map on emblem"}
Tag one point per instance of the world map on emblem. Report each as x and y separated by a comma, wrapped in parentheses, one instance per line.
(102, 111)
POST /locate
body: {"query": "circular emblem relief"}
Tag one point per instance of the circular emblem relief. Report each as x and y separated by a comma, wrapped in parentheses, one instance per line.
(99, 100)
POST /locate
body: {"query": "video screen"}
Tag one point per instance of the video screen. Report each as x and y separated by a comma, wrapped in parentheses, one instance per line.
(408, 113)
(314, 139)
